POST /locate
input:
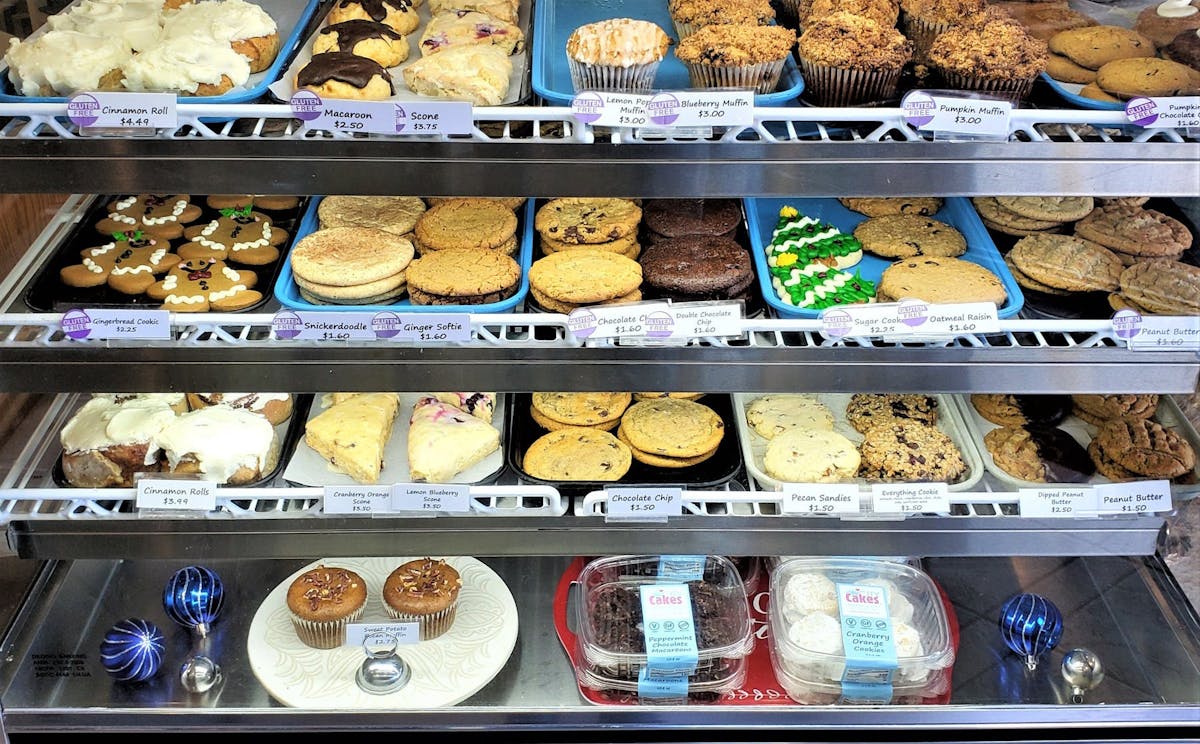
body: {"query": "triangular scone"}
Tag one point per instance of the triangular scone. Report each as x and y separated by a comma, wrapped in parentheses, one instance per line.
(479, 405)
(351, 434)
(443, 441)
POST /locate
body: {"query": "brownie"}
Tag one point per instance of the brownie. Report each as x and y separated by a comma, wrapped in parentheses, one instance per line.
(715, 267)
(677, 217)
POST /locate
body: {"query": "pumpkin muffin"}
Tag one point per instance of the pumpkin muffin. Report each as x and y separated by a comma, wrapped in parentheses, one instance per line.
(850, 60)
(736, 56)
(689, 16)
(924, 20)
(996, 56)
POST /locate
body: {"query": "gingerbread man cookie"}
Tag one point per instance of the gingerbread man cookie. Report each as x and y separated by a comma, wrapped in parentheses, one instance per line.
(200, 284)
(269, 202)
(239, 235)
(128, 264)
(160, 217)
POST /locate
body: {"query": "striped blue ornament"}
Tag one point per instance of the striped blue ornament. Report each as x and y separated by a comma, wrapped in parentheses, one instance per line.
(1030, 625)
(132, 650)
(193, 597)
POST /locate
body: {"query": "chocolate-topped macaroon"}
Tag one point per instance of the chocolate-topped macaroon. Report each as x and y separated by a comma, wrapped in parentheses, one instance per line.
(365, 38)
(345, 75)
(696, 267)
(672, 218)
(424, 591)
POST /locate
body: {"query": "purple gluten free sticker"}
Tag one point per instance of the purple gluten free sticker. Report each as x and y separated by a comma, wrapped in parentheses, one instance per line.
(663, 109)
(386, 324)
(306, 105)
(76, 324)
(659, 324)
(919, 108)
(1126, 324)
(836, 323)
(286, 324)
(913, 313)
(83, 109)
(1141, 111)
(582, 322)
(587, 107)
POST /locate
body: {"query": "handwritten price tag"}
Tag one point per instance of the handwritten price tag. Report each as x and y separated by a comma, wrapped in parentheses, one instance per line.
(970, 117)
(116, 324)
(105, 110)
(383, 634)
(706, 319)
(1137, 497)
(357, 500)
(423, 328)
(909, 318)
(1157, 332)
(643, 504)
(821, 498)
(1179, 112)
(426, 497)
(1057, 502)
(910, 498)
(186, 495)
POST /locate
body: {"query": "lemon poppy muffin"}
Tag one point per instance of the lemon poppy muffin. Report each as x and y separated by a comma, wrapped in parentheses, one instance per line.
(996, 56)
(736, 56)
(618, 54)
(689, 16)
(323, 601)
(923, 20)
(424, 591)
(851, 60)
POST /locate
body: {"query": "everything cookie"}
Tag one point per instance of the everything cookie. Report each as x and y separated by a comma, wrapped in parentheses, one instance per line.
(160, 217)
(1094, 46)
(581, 409)
(865, 410)
(1067, 262)
(672, 427)
(1145, 447)
(1163, 286)
(910, 451)
(1049, 208)
(577, 454)
(1100, 408)
(1042, 455)
(939, 279)
(881, 206)
(587, 220)
(128, 264)
(662, 461)
(771, 414)
(240, 235)
(803, 455)
(585, 276)
(1135, 230)
(203, 285)
(462, 276)
(907, 235)
(467, 223)
(1022, 410)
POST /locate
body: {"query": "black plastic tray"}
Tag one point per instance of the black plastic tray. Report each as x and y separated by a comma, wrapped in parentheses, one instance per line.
(47, 294)
(521, 431)
(289, 433)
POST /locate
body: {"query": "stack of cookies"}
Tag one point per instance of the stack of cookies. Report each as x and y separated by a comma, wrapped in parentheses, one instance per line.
(901, 440)
(671, 432)
(1063, 264)
(395, 214)
(463, 276)
(1031, 215)
(1027, 443)
(351, 266)
(692, 252)
(1114, 64)
(802, 446)
(554, 411)
(1128, 448)
(582, 223)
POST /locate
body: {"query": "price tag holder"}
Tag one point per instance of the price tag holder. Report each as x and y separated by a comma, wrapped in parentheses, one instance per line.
(910, 498)
(707, 319)
(437, 498)
(123, 111)
(643, 504)
(1136, 497)
(359, 501)
(701, 108)
(909, 319)
(807, 499)
(608, 109)
(637, 320)
(1174, 112)
(421, 328)
(404, 634)
(955, 117)
(1042, 503)
(1157, 332)
(186, 495)
(382, 117)
(140, 325)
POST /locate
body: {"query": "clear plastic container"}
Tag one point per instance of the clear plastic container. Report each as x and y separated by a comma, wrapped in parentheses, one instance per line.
(806, 648)
(612, 649)
(751, 569)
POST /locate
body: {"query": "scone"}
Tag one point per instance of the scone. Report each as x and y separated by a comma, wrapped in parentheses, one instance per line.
(478, 73)
(803, 455)
(469, 27)
(444, 440)
(352, 434)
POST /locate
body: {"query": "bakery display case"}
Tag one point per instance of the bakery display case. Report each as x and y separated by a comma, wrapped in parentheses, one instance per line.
(952, 572)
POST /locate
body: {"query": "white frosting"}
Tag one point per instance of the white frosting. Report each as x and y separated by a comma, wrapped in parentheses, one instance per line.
(126, 203)
(104, 422)
(65, 61)
(818, 632)
(252, 401)
(230, 274)
(907, 640)
(171, 282)
(180, 300)
(143, 269)
(224, 21)
(218, 296)
(122, 218)
(138, 24)
(176, 210)
(1177, 9)
(181, 64)
(175, 400)
(92, 266)
(220, 439)
(807, 593)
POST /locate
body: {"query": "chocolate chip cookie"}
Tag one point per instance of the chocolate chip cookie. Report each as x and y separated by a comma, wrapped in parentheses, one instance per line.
(939, 280)
(577, 454)
(587, 220)
(865, 410)
(1008, 409)
(673, 427)
(581, 409)
(884, 205)
(910, 451)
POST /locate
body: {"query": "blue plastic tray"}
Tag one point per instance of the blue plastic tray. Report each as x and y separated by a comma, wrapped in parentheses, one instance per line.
(289, 15)
(762, 214)
(288, 293)
(1067, 94)
(554, 22)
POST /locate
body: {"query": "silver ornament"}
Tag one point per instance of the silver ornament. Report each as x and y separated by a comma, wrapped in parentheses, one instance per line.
(1083, 671)
(200, 674)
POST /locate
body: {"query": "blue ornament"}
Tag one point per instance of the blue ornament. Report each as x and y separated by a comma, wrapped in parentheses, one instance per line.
(132, 650)
(1030, 625)
(193, 598)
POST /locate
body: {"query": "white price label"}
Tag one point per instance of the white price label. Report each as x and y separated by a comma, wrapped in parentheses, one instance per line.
(910, 498)
(383, 634)
(431, 498)
(638, 320)
(116, 324)
(1178, 112)
(607, 109)
(643, 504)
(357, 500)
(697, 108)
(1056, 502)
(909, 319)
(821, 498)
(425, 328)
(971, 118)
(186, 495)
(322, 326)
(1136, 497)
(382, 117)
(706, 319)
(1158, 332)
(107, 110)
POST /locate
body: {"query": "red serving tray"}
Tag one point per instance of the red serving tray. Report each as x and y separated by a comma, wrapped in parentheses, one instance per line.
(761, 686)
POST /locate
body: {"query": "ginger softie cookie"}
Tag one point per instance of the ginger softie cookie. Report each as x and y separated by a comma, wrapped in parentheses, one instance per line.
(672, 427)
(577, 454)
(467, 223)
(462, 276)
(803, 455)
(910, 451)
(939, 279)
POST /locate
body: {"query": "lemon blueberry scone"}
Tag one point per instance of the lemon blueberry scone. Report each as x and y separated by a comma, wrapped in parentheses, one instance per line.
(352, 433)
(468, 27)
(480, 405)
(444, 440)
(803, 455)
(478, 73)
(773, 414)
(577, 454)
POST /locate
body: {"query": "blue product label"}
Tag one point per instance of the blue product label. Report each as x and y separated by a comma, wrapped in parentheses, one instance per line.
(676, 568)
(855, 693)
(661, 687)
(669, 630)
(866, 634)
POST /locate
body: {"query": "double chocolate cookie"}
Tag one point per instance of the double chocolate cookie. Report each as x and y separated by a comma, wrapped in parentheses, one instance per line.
(697, 267)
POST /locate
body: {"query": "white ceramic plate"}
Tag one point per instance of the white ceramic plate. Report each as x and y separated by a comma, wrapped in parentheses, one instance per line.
(445, 670)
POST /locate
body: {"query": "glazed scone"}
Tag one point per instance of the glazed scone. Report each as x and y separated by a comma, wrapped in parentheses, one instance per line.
(345, 75)
(247, 28)
(352, 434)
(180, 64)
(618, 42)
(66, 62)
(479, 73)
(469, 27)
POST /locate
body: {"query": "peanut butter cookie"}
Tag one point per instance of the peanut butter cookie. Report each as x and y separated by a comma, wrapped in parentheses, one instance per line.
(1067, 262)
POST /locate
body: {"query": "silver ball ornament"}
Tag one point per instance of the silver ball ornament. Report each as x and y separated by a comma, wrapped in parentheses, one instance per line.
(1083, 671)
(200, 674)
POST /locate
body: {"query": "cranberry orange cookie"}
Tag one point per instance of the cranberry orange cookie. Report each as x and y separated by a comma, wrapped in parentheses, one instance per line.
(128, 264)
(201, 285)
(160, 217)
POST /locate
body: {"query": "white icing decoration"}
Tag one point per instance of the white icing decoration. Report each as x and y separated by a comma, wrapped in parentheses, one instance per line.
(230, 274)
(179, 300)
(173, 216)
(218, 296)
(132, 270)
(101, 250)
(211, 228)
(157, 256)
(123, 219)
(226, 21)
(181, 64)
(126, 203)
(1177, 9)
(102, 422)
(220, 439)
(92, 266)
(171, 282)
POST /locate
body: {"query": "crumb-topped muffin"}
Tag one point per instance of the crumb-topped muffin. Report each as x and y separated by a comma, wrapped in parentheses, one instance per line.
(923, 20)
(996, 55)
(424, 591)
(736, 56)
(850, 60)
(690, 16)
(618, 54)
(884, 12)
(322, 601)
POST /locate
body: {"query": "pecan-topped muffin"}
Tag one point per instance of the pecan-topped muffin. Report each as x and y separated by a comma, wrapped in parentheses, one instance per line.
(736, 56)
(322, 601)
(423, 591)
(851, 60)
(995, 55)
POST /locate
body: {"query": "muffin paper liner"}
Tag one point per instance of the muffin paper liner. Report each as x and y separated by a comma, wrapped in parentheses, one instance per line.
(1010, 89)
(632, 79)
(922, 33)
(684, 30)
(328, 634)
(836, 86)
(432, 625)
(762, 77)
